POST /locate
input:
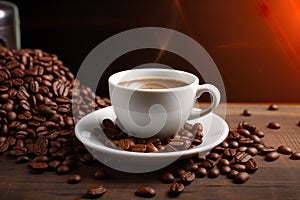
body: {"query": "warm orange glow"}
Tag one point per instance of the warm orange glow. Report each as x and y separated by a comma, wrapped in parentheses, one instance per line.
(284, 40)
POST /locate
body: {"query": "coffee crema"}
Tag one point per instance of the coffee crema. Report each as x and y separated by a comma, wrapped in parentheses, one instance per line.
(153, 83)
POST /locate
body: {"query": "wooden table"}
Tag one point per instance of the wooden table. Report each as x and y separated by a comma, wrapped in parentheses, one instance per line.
(274, 180)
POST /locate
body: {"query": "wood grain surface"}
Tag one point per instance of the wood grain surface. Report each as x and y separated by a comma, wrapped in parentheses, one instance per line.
(274, 180)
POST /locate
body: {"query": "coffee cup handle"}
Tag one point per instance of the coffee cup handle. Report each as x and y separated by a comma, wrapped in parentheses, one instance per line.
(215, 94)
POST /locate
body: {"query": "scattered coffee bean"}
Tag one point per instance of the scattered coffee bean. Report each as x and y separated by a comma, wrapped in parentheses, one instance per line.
(284, 150)
(187, 177)
(96, 191)
(266, 150)
(295, 156)
(238, 167)
(273, 125)
(272, 156)
(225, 170)
(246, 113)
(232, 174)
(259, 133)
(252, 151)
(213, 173)
(176, 189)
(201, 172)
(100, 174)
(22, 159)
(298, 123)
(54, 164)
(74, 178)
(241, 177)
(223, 162)
(213, 156)
(251, 166)
(273, 107)
(145, 191)
(63, 169)
(167, 177)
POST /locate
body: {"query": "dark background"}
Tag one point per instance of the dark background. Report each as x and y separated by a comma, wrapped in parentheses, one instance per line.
(255, 43)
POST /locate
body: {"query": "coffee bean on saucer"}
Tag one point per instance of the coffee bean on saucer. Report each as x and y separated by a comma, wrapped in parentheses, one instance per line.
(145, 191)
(273, 107)
(295, 156)
(167, 177)
(241, 177)
(96, 191)
(273, 125)
(176, 189)
(246, 113)
(272, 156)
(74, 178)
(284, 150)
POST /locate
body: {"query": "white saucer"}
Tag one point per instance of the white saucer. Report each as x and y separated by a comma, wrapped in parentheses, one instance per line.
(215, 131)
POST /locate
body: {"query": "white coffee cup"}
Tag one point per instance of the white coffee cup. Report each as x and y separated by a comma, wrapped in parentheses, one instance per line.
(144, 113)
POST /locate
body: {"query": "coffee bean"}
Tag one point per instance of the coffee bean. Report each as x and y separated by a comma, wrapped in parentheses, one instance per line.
(74, 178)
(273, 107)
(213, 156)
(242, 157)
(252, 151)
(251, 166)
(63, 169)
(138, 147)
(272, 156)
(242, 149)
(241, 177)
(40, 166)
(229, 153)
(145, 191)
(201, 172)
(22, 159)
(234, 144)
(191, 166)
(223, 162)
(284, 150)
(259, 133)
(187, 177)
(197, 129)
(246, 113)
(208, 164)
(255, 138)
(238, 167)
(96, 191)
(266, 150)
(298, 123)
(167, 177)
(177, 172)
(213, 173)
(100, 174)
(244, 132)
(273, 125)
(54, 164)
(176, 189)
(232, 174)
(295, 156)
(151, 148)
(246, 125)
(225, 170)
(233, 135)
(125, 144)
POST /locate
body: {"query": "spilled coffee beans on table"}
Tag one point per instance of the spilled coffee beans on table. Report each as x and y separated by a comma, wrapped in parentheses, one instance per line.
(188, 137)
(37, 127)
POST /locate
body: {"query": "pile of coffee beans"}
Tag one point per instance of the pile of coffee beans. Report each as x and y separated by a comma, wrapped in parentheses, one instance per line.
(188, 137)
(38, 96)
